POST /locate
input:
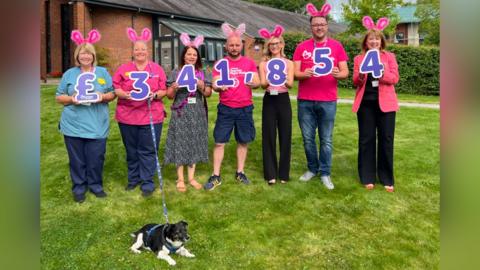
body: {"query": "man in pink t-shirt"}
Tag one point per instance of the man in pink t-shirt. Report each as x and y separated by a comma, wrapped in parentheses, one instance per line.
(235, 110)
(317, 95)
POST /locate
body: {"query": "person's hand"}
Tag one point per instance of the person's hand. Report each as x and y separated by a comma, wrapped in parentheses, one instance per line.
(362, 77)
(125, 95)
(308, 72)
(152, 96)
(335, 72)
(174, 86)
(100, 97)
(200, 85)
(74, 100)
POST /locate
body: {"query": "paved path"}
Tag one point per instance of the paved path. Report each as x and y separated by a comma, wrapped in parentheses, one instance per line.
(350, 101)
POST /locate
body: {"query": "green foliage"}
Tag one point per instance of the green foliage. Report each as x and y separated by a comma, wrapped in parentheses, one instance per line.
(103, 56)
(289, 5)
(419, 67)
(354, 11)
(428, 11)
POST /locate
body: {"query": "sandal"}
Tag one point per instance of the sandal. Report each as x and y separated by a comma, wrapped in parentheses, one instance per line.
(369, 186)
(195, 184)
(181, 186)
(389, 188)
(271, 182)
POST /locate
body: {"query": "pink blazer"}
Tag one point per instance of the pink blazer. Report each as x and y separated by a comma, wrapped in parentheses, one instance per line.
(386, 90)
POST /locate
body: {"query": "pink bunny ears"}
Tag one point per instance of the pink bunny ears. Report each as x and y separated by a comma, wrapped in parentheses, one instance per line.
(228, 32)
(276, 32)
(93, 36)
(132, 35)
(185, 38)
(312, 10)
(382, 23)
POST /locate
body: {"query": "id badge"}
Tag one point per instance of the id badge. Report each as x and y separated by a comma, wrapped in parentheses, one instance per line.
(273, 92)
(192, 100)
(375, 83)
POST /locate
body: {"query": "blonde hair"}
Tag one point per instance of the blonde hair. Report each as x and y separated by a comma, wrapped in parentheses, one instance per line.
(87, 47)
(267, 55)
(376, 33)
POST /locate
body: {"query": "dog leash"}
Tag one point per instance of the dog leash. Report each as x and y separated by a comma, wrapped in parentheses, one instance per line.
(159, 170)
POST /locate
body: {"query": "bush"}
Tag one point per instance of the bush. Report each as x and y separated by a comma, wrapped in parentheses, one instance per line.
(419, 67)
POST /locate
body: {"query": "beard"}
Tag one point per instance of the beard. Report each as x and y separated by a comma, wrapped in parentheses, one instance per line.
(233, 54)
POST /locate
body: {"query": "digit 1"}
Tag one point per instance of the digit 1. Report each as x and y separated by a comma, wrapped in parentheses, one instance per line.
(85, 89)
(323, 61)
(223, 68)
(276, 72)
(371, 64)
(186, 78)
(141, 90)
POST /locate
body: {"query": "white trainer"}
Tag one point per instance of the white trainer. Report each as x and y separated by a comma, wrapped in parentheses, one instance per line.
(307, 176)
(327, 182)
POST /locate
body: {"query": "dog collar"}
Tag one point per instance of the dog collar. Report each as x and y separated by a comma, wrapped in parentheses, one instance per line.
(172, 249)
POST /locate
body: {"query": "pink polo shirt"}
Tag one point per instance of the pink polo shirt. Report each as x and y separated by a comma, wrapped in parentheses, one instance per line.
(322, 88)
(241, 95)
(136, 112)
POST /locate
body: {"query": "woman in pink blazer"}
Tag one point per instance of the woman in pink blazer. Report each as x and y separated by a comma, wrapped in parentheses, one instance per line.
(376, 104)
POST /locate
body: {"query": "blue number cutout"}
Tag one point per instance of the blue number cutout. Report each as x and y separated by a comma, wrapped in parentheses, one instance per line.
(371, 64)
(323, 61)
(84, 88)
(141, 90)
(276, 72)
(223, 68)
(186, 78)
(248, 77)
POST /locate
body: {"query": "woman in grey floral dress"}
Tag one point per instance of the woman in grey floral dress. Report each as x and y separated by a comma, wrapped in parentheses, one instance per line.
(187, 139)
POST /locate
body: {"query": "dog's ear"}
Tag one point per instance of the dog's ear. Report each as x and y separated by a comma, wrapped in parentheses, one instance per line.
(184, 223)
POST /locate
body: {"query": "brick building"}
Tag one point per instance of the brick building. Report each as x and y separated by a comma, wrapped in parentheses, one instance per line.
(167, 19)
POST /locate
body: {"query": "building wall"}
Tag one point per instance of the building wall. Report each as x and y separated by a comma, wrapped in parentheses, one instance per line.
(413, 37)
(402, 28)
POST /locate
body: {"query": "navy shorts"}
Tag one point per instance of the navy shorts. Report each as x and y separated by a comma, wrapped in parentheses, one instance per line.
(228, 118)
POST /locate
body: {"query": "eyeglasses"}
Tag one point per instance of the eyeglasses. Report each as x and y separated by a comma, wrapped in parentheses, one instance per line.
(274, 44)
(319, 25)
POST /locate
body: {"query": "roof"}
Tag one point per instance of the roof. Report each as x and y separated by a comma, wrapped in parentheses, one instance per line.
(233, 12)
(407, 14)
(206, 30)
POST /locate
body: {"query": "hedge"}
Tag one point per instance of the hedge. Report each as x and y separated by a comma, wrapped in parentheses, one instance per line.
(419, 67)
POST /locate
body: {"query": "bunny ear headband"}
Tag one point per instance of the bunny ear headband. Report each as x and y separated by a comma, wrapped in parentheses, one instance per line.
(228, 32)
(187, 42)
(92, 37)
(312, 10)
(276, 32)
(382, 23)
(132, 35)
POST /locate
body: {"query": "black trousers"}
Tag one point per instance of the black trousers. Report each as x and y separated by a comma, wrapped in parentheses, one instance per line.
(276, 114)
(374, 127)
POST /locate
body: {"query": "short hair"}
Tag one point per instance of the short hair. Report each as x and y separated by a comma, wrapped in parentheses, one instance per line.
(198, 64)
(89, 49)
(266, 48)
(311, 18)
(377, 33)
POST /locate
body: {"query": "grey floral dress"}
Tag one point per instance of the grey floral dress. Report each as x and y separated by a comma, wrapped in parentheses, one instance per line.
(187, 139)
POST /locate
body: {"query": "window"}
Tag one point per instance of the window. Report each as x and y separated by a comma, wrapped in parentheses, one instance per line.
(202, 52)
(211, 51)
(219, 50)
(165, 31)
(399, 36)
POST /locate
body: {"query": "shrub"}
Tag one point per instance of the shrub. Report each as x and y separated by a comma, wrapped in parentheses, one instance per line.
(419, 67)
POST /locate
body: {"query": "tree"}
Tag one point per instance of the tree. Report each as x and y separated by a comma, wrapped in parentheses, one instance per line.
(289, 5)
(354, 11)
(428, 11)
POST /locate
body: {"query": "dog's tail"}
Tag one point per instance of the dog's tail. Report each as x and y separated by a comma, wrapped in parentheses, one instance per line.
(133, 235)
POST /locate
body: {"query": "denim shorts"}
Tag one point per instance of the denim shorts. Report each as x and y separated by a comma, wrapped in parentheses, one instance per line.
(228, 118)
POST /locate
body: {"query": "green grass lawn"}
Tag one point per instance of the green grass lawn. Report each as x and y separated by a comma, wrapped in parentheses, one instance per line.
(293, 226)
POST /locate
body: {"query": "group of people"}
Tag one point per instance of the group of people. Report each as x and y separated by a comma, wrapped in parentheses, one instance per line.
(85, 125)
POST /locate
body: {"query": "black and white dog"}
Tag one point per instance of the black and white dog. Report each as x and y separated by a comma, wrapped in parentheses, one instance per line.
(163, 239)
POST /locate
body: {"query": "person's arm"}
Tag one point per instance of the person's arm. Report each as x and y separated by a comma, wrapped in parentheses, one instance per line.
(299, 75)
(340, 72)
(62, 96)
(262, 74)
(107, 97)
(65, 100)
(122, 94)
(110, 94)
(172, 90)
(390, 72)
(217, 88)
(255, 83)
(358, 78)
(290, 74)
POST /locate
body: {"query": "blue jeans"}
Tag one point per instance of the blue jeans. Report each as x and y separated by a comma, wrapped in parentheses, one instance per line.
(321, 115)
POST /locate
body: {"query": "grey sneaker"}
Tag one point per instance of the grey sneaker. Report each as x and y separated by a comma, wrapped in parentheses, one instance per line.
(307, 176)
(241, 177)
(327, 182)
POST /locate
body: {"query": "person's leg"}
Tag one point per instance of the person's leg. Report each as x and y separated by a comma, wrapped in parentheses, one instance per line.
(367, 134)
(269, 134)
(146, 154)
(284, 111)
(76, 157)
(244, 134)
(191, 177)
(218, 152)
(325, 120)
(386, 131)
(242, 150)
(307, 120)
(130, 140)
(221, 133)
(180, 180)
(95, 157)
